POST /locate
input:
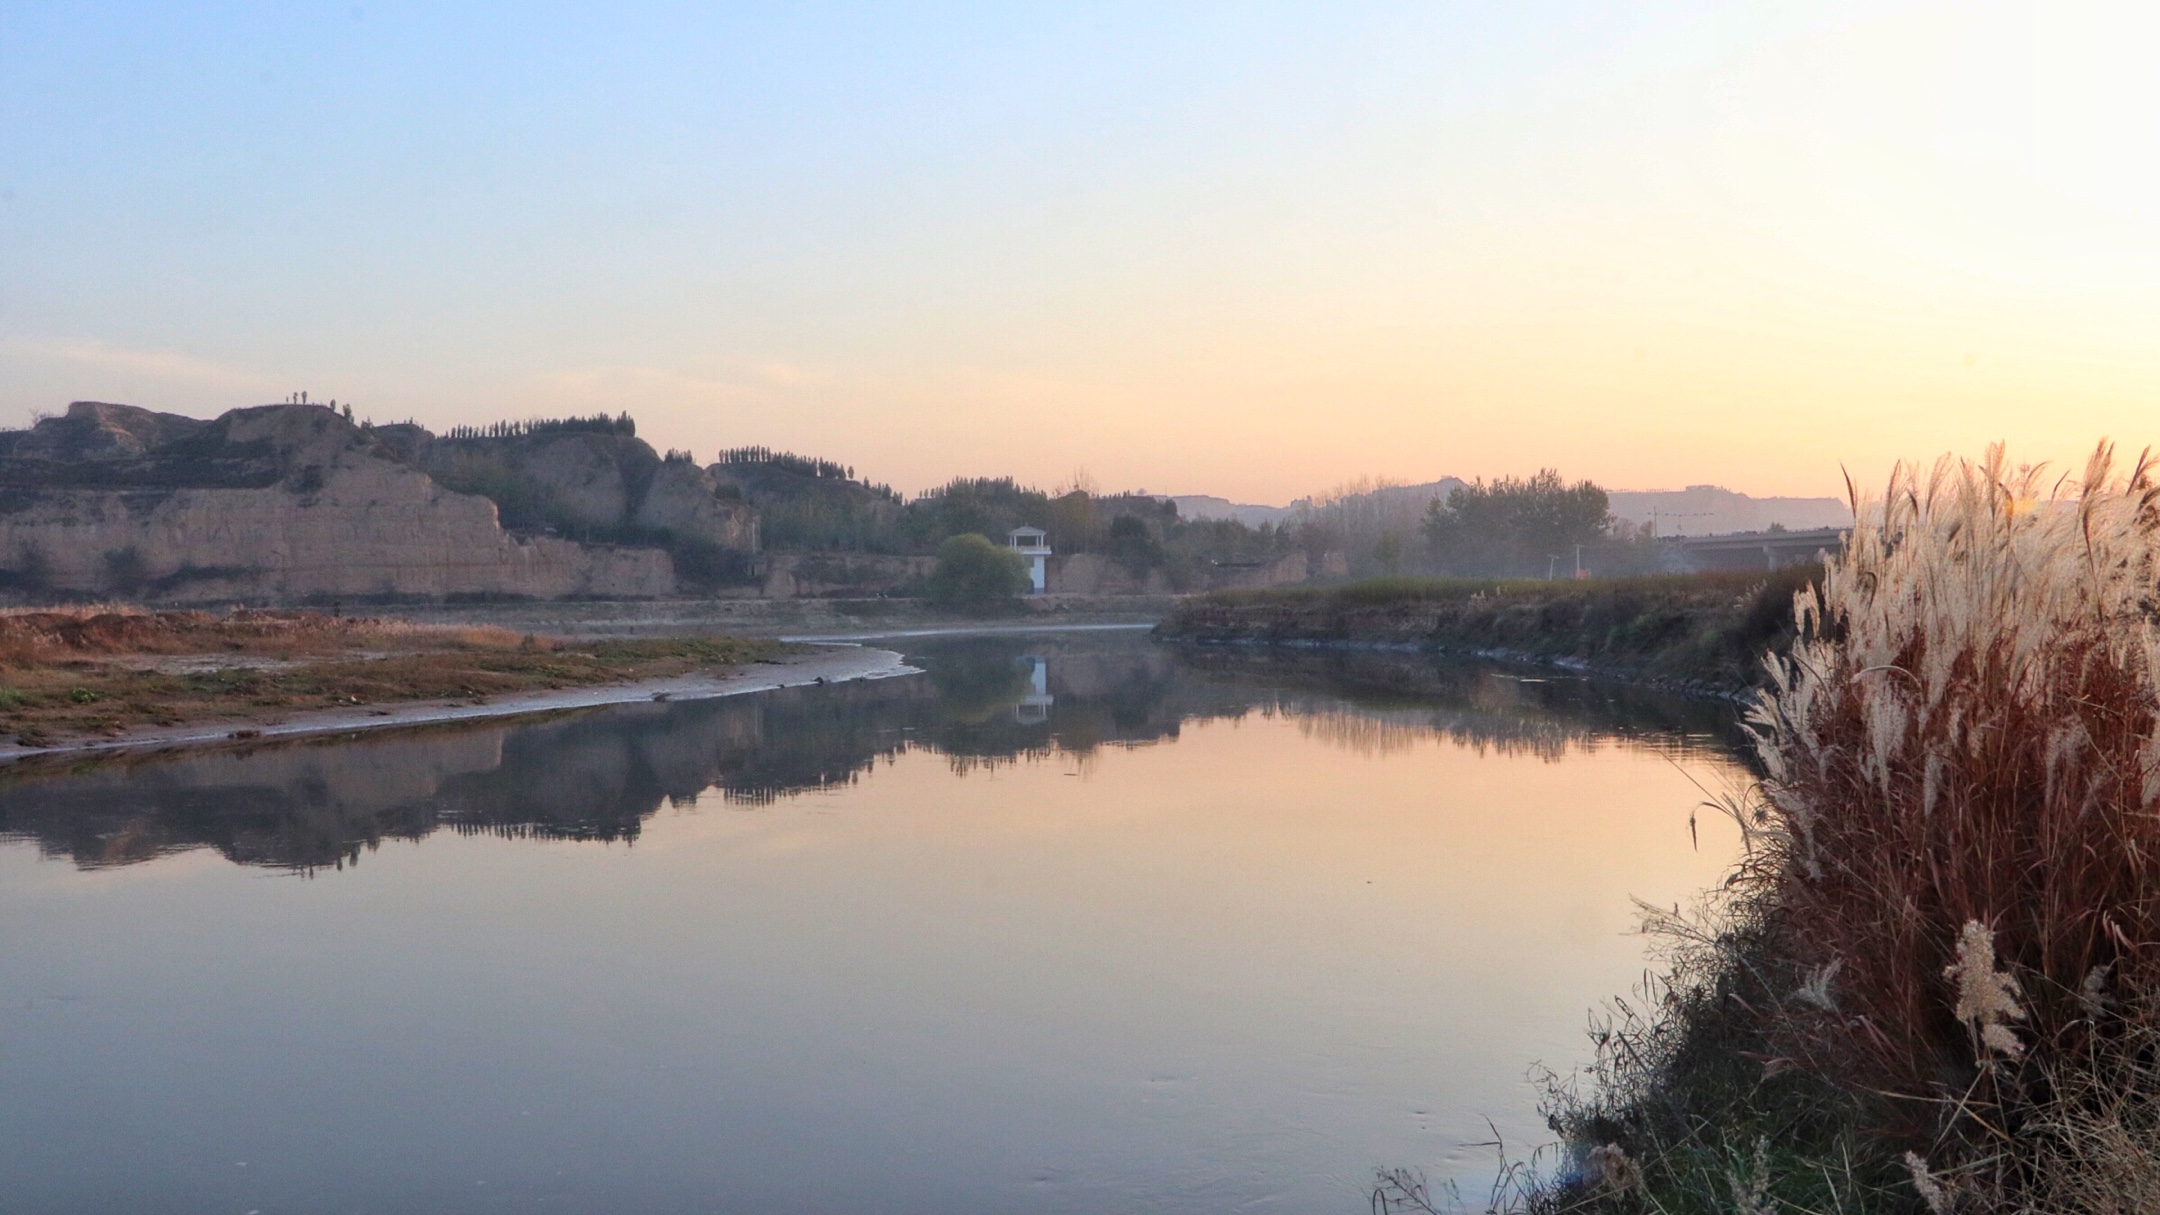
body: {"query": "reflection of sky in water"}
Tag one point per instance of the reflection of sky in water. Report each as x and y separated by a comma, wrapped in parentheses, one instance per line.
(884, 947)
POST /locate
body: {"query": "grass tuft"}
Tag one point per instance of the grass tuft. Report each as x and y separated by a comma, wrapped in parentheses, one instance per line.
(1934, 981)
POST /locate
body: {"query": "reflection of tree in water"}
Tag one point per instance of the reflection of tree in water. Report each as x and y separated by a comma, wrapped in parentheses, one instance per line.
(1380, 703)
(977, 684)
(1370, 734)
(1121, 693)
(599, 776)
(1378, 732)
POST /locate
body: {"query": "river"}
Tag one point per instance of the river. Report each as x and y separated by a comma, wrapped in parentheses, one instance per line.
(1063, 924)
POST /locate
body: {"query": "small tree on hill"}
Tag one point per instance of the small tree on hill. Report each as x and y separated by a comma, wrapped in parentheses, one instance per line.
(973, 572)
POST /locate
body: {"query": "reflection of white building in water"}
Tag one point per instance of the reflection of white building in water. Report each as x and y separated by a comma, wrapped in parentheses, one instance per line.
(1033, 708)
(1032, 543)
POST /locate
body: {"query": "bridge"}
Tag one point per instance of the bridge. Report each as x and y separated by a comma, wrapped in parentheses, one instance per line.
(1756, 550)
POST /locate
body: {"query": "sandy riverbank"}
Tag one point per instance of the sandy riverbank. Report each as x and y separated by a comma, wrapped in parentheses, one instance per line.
(778, 618)
(823, 664)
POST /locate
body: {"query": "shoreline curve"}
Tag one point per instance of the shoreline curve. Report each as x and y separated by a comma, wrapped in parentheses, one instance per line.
(831, 662)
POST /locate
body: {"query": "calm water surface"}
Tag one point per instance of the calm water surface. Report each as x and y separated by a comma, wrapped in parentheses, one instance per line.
(1062, 925)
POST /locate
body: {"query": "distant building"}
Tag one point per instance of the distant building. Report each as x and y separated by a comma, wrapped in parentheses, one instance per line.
(1033, 543)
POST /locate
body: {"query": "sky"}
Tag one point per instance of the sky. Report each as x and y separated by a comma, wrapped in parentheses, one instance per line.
(1248, 249)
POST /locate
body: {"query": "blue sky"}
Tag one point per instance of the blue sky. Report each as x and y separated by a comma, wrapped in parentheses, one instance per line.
(1241, 248)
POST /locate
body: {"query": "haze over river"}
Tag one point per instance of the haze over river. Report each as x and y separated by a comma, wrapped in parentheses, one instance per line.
(1065, 924)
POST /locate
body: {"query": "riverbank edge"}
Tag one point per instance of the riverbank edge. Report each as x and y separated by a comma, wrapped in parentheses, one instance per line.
(1702, 635)
(823, 663)
(580, 619)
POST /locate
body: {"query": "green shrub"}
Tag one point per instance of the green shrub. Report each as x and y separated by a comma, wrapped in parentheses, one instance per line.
(973, 572)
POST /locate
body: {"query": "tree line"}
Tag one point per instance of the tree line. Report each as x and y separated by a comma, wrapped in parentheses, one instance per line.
(1534, 526)
(1512, 527)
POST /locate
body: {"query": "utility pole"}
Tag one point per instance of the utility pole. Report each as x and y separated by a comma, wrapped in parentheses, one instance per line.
(1578, 561)
(1552, 562)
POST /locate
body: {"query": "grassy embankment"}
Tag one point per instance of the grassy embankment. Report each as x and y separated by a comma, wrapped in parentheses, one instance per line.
(1933, 982)
(101, 672)
(1702, 630)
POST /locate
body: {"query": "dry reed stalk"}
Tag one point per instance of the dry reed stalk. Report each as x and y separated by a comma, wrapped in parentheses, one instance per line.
(2095, 1148)
(1963, 760)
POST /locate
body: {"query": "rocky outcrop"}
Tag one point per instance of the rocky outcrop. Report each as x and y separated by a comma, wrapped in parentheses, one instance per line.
(684, 500)
(281, 502)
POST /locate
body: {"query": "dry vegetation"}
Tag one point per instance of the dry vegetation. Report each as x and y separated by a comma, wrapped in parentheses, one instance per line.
(1934, 982)
(1705, 629)
(103, 671)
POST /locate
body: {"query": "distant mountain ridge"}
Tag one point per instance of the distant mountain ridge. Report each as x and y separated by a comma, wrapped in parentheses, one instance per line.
(1710, 510)
(1207, 506)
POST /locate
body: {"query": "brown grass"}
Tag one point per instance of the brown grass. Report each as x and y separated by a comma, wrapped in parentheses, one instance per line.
(1976, 746)
(101, 672)
(31, 637)
(1934, 982)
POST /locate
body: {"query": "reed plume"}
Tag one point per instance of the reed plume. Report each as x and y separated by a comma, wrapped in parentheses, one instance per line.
(1962, 802)
(1933, 980)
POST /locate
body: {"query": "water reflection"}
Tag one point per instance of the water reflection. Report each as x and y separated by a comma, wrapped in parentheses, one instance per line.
(1059, 926)
(985, 702)
(1033, 707)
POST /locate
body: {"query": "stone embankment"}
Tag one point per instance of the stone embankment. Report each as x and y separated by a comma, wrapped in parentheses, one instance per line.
(1696, 633)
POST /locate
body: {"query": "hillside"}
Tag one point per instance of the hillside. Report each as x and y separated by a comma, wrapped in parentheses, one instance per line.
(593, 480)
(274, 503)
(809, 504)
(1209, 508)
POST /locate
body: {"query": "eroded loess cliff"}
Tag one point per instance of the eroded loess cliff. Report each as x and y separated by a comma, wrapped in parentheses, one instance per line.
(596, 486)
(278, 503)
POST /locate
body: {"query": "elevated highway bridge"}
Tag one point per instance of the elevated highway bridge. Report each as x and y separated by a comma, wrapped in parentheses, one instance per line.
(1755, 550)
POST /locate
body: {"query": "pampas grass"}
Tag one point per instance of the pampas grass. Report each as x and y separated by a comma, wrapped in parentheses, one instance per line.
(1935, 978)
(1963, 765)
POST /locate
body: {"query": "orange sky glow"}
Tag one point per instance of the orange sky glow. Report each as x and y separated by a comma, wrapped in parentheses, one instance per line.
(1251, 257)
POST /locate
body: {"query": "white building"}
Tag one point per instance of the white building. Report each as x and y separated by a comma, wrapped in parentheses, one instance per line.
(1033, 543)
(1033, 708)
